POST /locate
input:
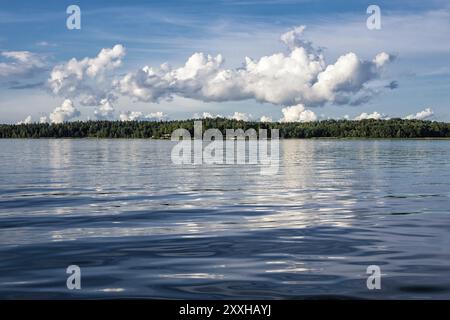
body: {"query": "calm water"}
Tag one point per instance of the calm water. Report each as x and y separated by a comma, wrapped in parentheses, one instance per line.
(139, 226)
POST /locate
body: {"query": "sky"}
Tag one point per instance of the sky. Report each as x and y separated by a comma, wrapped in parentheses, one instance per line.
(283, 60)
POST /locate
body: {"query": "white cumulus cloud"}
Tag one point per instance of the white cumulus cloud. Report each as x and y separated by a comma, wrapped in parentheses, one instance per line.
(27, 120)
(374, 115)
(265, 119)
(140, 116)
(241, 116)
(65, 112)
(422, 115)
(297, 113)
(207, 115)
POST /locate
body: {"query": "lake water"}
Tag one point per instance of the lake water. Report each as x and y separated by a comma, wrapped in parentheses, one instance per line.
(139, 226)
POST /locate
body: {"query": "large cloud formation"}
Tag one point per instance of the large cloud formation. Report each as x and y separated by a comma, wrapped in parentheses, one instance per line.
(87, 78)
(299, 77)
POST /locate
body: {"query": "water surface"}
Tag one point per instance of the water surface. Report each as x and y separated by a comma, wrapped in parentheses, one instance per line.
(139, 226)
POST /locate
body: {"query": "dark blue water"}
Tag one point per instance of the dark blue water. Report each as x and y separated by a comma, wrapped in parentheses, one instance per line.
(139, 226)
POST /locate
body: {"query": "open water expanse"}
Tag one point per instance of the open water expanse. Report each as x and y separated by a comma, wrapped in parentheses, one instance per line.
(139, 226)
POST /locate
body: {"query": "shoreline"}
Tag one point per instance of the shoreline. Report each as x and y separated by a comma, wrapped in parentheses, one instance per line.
(163, 139)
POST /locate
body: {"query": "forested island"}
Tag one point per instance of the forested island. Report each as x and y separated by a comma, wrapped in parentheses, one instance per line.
(393, 128)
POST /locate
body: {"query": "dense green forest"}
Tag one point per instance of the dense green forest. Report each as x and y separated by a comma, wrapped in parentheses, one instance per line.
(394, 128)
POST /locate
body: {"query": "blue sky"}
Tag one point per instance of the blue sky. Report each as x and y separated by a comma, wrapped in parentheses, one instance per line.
(154, 32)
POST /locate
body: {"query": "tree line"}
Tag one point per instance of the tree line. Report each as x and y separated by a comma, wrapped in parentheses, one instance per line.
(393, 128)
